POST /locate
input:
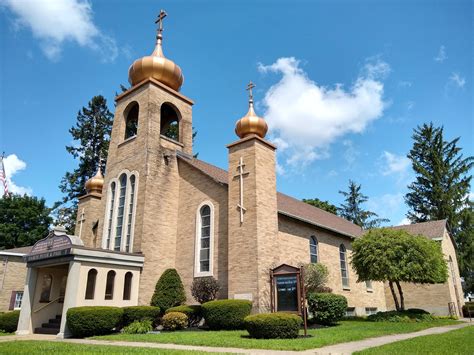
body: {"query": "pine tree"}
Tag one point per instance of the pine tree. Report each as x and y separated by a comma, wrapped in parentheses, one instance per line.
(92, 132)
(353, 211)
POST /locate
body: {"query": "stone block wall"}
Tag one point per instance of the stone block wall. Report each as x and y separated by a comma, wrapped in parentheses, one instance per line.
(12, 278)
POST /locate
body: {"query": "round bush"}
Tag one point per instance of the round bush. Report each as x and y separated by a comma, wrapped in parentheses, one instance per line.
(327, 308)
(139, 313)
(226, 314)
(89, 321)
(9, 321)
(174, 321)
(205, 289)
(193, 312)
(273, 325)
(139, 327)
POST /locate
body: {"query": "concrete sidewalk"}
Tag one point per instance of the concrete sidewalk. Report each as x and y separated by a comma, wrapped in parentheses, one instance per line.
(343, 348)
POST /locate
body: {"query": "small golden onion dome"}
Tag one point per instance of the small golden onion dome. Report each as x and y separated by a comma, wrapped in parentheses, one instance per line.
(95, 183)
(158, 67)
(251, 123)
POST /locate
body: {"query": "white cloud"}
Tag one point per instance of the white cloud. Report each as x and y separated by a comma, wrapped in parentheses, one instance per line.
(441, 56)
(404, 222)
(387, 205)
(54, 22)
(14, 165)
(457, 80)
(305, 118)
(395, 164)
(350, 154)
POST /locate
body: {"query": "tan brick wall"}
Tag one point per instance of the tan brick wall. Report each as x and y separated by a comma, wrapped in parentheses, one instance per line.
(91, 205)
(12, 278)
(293, 238)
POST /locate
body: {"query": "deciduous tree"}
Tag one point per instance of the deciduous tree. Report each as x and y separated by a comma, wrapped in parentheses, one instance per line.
(324, 205)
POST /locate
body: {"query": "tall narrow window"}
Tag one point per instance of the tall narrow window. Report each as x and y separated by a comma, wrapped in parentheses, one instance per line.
(203, 240)
(90, 286)
(111, 214)
(127, 286)
(109, 286)
(131, 121)
(313, 249)
(46, 288)
(120, 212)
(344, 271)
(130, 213)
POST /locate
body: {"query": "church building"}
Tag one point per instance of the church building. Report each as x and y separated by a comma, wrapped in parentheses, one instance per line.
(158, 207)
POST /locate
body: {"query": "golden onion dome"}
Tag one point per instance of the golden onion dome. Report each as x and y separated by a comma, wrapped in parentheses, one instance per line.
(251, 123)
(95, 183)
(156, 65)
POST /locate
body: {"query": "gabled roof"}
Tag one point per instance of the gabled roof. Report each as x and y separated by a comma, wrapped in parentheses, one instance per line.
(430, 229)
(287, 205)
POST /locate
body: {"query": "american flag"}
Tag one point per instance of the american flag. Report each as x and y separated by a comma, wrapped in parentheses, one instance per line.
(3, 179)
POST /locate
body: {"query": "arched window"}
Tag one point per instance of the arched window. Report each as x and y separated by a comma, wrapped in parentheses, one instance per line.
(204, 240)
(90, 287)
(46, 288)
(131, 120)
(344, 270)
(313, 249)
(127, 285)
(169, 122)
(130, 213)
(111, 213)
(120, 212)
(109, 286)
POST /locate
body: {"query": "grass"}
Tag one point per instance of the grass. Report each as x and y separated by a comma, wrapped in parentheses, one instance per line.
(53, 347)
(344, 332)
(459, 341)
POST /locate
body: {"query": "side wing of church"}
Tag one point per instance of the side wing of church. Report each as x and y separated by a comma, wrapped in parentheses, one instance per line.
(158, 207)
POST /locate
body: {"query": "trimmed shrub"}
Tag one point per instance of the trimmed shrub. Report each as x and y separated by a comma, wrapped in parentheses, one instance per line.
(9, 321)
(89, 321)
(273, 325)
(205, 289)
(468, 306)
(327, 308)
(139, 313)
(193, 312)
(169, 291)
(226, 314)
(174, 321)
(407, 316)
(139, 327)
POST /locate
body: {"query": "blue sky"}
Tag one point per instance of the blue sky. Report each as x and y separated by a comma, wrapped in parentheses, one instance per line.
(342, 84)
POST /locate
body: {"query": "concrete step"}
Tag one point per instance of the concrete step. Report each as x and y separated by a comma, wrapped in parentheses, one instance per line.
(43, 330)
(51, 325)
(55, 321)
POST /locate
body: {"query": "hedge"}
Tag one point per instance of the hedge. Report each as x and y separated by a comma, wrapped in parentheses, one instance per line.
(407, 316)
(9, 321)
(226, 314)
(193, 312)
(139, 313)
(327, 308)
(89, 321)
(273, 325)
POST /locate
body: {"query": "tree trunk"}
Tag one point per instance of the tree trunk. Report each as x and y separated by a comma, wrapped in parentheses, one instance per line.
(394, 295)
(402, 299)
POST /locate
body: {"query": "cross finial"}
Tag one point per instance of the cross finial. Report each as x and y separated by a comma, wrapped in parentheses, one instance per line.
(250, 86)
(159, 21)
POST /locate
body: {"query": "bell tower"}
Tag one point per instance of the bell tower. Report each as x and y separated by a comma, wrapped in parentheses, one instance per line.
(152, 123)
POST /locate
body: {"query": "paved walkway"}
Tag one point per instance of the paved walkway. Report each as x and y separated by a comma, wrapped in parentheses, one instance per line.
(343, 348)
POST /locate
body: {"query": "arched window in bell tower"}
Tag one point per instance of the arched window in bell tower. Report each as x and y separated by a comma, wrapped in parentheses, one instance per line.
(169, 122)
(131, 120)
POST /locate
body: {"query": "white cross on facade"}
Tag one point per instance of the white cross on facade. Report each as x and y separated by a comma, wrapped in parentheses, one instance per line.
(241, 175)
(81, 221)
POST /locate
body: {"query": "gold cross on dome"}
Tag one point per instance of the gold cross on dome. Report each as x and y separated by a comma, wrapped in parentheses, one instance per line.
(250, 86)
(159, 20)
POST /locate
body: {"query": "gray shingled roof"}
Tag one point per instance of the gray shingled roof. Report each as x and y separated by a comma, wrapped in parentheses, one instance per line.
(430, 229)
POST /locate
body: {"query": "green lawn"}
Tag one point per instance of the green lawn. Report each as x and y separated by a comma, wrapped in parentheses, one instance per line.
(344, 332)
(459, 341)
(52, 347)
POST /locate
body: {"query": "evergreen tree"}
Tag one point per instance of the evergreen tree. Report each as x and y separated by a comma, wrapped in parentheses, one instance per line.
(442, 184)
(23, 221)
(169, 291)
(352, 209)
(324, 205)
(92, 132)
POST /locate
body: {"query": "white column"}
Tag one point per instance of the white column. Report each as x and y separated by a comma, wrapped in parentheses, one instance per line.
(24, 322)
(70, 298)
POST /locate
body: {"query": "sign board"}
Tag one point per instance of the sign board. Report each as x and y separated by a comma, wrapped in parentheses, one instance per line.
(50, 247)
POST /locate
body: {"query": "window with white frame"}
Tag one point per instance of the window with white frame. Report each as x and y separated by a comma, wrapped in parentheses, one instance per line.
(370, 310)
(120, 218)
(313, 249)
(344, 270)
(204, 239)
(18, 299)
